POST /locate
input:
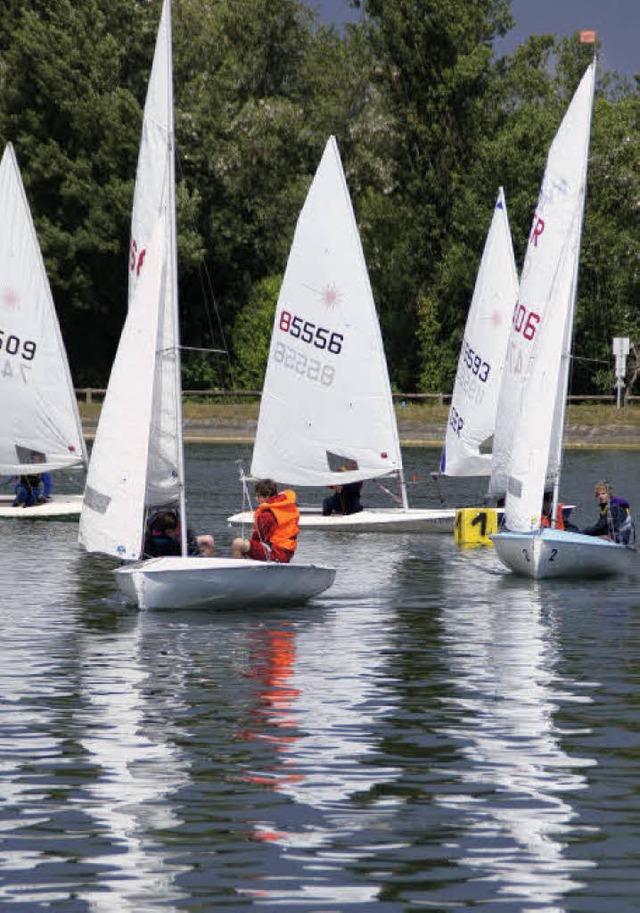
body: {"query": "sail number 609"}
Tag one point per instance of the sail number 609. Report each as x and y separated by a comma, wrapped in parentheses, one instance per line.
(524, 321)
(309, 332)
(26, 348)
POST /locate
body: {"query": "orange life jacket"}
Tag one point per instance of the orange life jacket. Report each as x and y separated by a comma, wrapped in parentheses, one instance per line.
(284, 508)
(544, 519)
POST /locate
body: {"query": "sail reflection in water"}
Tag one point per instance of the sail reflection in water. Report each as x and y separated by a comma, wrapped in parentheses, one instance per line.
(502, 657)
(137, 769)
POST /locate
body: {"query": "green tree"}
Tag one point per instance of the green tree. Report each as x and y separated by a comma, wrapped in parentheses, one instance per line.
(610, 261)
(239, 129)
(74, 124)
(434, 64)
(252, 336)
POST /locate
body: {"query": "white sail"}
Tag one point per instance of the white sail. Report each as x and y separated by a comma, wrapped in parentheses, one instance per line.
(113, 511)
(40, 419)
(474, 402)
(535, 376)
(136, 460)
(326, 397)
(154, 197)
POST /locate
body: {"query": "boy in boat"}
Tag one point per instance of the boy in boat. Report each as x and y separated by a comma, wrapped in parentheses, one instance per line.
(346, 498)
(163, 538)
(276, 522)
(614, 520)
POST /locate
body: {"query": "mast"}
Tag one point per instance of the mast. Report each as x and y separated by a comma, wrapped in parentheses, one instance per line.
(568, 333)
(173, 251)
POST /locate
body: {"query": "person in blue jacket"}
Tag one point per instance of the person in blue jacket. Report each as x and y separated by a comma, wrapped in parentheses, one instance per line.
(33, 488)
(614, 519)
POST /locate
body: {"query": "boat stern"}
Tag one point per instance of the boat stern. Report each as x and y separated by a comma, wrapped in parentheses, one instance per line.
(547, 553)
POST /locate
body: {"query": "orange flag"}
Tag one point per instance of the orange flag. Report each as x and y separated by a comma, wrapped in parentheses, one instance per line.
(588, 36)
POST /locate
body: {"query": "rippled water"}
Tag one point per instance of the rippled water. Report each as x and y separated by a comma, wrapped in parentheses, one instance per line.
(430, 734)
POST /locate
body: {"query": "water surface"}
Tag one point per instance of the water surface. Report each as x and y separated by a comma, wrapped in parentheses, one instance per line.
(431, 733)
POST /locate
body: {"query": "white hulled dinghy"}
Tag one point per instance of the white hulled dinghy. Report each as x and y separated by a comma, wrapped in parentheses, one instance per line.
(326, 401)
(41, 430)
(137, 461)
(528, 443)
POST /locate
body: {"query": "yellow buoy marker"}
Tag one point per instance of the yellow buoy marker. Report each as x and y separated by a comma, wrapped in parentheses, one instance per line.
(474, 525)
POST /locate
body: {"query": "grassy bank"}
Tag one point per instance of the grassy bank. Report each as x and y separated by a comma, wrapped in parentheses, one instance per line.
(586, 414)
(588, 424)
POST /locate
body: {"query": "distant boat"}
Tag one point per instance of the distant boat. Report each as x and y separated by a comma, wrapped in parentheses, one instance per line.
(528, 443)
(137, 461)
(41, 429)
(472, 416)
(326, 401)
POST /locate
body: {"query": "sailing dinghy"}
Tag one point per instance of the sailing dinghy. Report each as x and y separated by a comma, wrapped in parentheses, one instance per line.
(41, 429)
(137, 461)
(326, 400)
(528, 443)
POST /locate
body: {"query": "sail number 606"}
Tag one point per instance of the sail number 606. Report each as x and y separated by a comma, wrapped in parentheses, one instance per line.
(309, 332)
(524, 321)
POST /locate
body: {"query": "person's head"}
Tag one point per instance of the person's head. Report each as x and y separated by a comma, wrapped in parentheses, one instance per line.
(167, 524)
(603, 490)
(265, 489)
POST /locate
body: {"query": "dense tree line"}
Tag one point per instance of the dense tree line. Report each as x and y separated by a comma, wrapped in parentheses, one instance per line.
(429, 124)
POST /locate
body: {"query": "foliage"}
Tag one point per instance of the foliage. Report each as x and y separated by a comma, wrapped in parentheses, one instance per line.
(68, 109)
(429, 125)
(252, 335)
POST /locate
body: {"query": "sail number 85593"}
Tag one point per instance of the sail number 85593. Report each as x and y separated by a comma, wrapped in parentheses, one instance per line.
(311, 333)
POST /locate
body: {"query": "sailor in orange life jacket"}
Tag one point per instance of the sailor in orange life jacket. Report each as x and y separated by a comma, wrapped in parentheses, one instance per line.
(275, 526)
(547, 507)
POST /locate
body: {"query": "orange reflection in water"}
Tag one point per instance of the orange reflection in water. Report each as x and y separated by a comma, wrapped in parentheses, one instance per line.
(272, 661)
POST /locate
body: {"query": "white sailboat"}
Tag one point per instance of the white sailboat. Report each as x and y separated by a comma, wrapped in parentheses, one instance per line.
(137, 461)
(41, 429)
(528, 444)
(474, 403)
(326, 400)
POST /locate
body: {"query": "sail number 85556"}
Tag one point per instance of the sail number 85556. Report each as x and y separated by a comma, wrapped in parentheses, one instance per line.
(311, 333)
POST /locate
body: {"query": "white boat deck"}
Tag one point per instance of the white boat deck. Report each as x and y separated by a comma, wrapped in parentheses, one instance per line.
(390, 519)
(58, 507)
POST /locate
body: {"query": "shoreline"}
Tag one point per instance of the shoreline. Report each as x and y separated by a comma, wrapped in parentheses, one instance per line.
(578, 437)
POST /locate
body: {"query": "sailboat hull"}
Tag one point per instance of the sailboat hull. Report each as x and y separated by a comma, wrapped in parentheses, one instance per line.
(59, 507)
(548, 553)
(392, 520)
(220, 583)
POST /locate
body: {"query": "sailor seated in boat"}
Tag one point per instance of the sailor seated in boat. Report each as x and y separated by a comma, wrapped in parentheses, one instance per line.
(276, 522)
(614, 519)
(345, 498)
(34, 488)
(163, 538)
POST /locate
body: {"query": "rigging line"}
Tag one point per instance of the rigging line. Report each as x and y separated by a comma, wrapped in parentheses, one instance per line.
(595, 361)
(203, 273)
(200, 349)
(208, 297)
(394, 497)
